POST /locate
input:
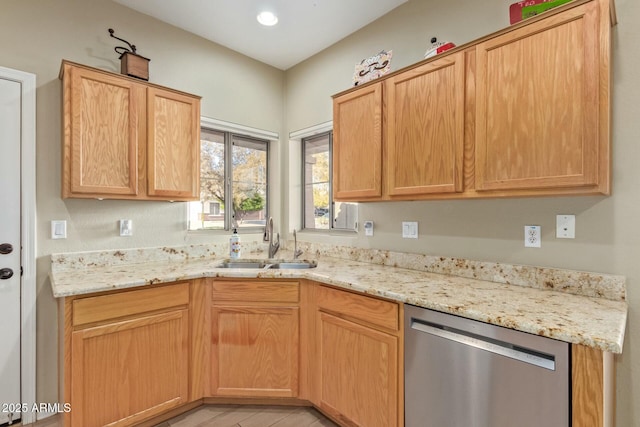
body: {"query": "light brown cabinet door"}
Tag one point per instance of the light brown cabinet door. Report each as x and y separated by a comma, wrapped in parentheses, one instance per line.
(255, 351)
(173, 160)
(127, 139)
(538, 104)
(357, 373)
(357, 144)
(425, 128)
(104, 117)
(130, 370)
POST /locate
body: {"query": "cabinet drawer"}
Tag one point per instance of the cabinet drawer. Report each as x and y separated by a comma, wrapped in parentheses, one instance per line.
(369, 309)
(105, 307)
(259, 291)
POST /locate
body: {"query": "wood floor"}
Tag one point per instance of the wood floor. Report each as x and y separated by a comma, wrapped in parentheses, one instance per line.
(237, 416)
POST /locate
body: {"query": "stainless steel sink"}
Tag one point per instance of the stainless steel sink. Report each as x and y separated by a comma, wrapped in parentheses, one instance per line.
(294, 264)
(243, 264)
(267, 264)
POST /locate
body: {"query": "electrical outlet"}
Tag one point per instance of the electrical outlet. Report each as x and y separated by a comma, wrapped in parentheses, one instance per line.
(532, 236)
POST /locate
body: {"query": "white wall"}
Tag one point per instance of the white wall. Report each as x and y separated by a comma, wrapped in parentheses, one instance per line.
(35, 36)
(608, 231)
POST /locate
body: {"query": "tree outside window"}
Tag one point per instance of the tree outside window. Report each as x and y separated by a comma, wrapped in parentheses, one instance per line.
(249, 182)
(234, 176)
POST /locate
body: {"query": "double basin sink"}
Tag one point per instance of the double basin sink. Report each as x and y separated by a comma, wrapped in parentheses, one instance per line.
(267, 264)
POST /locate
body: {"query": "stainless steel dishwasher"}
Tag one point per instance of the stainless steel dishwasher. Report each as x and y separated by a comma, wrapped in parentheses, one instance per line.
(464, 373)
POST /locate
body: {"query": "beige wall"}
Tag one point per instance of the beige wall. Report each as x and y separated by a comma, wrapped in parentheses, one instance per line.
(608, 230)
(35, 36)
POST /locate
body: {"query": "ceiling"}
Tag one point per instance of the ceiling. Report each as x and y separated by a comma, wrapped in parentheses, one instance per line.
(305, 27)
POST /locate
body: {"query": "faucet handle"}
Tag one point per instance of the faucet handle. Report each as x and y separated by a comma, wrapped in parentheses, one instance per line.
(296, 252)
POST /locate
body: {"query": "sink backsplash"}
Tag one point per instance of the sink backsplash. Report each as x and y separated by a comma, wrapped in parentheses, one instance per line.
(80, 260)
(589, 284)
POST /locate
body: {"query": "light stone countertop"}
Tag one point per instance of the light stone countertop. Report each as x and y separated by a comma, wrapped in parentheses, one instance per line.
(589, 320)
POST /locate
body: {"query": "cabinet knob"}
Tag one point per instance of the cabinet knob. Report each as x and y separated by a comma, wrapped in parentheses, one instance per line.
(6, 248)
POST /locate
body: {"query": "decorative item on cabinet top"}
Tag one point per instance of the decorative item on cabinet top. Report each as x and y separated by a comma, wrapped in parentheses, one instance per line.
(437, 47)
(131, 63)
(526, 9)
(373, 67)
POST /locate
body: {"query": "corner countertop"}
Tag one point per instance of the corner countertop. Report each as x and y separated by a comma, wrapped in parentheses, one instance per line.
(548, 310)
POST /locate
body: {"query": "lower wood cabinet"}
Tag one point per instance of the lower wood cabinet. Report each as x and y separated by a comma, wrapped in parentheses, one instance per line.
(143, 355)
(130, 370)
(358, 366)
(593, 388)
(255, 339)
(358, 373)
(255, 351)
(125, 355)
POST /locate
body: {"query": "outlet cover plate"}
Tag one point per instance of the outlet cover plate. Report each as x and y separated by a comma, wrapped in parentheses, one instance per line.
(126, 227)
(532, 236)
(409, 230)
(368, 228)
(565, 226)
(58, 229)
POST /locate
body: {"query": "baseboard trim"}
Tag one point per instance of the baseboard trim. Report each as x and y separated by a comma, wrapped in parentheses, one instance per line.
(170, 414)
(274, 401)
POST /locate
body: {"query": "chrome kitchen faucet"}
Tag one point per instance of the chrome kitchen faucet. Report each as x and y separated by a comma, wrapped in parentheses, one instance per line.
(273, 246)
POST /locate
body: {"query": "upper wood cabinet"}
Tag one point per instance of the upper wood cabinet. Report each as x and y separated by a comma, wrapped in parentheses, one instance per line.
(538, 105)
(103, 124)
(173, 118)
(357, 144)
(521, 112)
(425, 128)
(127, 139)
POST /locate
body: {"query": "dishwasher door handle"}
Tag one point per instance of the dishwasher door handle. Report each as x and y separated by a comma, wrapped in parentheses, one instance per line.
(488, 344)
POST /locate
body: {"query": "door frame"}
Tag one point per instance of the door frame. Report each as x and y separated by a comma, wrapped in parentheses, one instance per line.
(28, 238)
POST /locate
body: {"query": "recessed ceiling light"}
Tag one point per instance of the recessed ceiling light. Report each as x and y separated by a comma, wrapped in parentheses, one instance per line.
(267, 18)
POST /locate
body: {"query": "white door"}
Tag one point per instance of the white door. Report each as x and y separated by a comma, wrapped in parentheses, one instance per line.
(10, 231)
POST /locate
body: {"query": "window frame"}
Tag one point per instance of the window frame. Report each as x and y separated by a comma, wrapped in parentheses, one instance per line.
(332, 220)
(229, 181)
(229, 131)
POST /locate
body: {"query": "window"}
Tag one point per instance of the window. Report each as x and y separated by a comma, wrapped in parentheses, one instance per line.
(233, 182)
(319, 212)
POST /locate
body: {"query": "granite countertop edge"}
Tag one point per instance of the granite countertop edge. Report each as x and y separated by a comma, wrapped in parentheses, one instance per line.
(594, 322)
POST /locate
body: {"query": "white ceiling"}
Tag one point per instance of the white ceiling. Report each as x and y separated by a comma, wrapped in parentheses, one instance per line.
(305, 27)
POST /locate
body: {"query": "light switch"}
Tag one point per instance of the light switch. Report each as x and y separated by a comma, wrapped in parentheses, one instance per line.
(59, 229)
(409, 230)
(368, 228)
(126, 227)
